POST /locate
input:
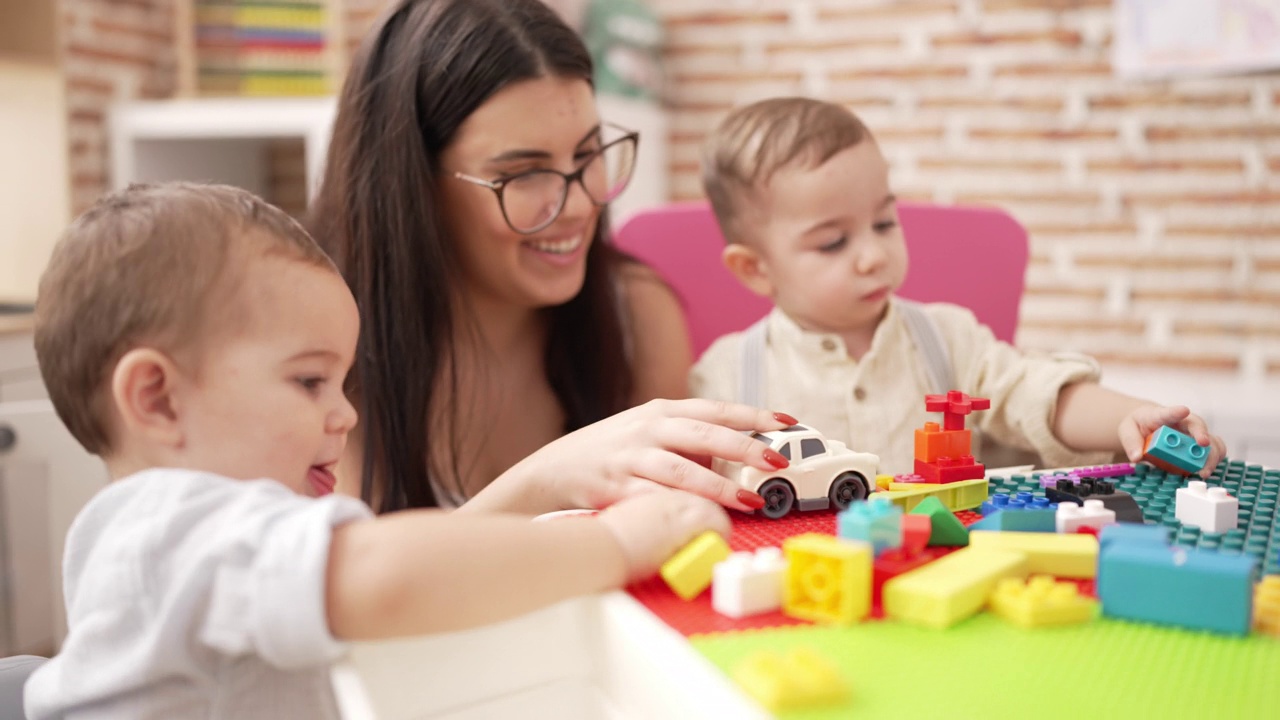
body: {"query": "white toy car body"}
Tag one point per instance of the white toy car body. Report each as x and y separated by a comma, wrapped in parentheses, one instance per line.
(823, 473)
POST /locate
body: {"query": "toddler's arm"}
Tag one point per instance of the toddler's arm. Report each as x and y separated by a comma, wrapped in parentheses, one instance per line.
(1091, 417)
(426, 571)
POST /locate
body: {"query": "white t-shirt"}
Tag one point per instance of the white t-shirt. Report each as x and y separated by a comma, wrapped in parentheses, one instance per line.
(191, 595)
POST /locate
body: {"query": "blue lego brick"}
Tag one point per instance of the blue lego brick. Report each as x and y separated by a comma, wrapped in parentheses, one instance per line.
(1130, 533)
(877, 521)
(1178, 449)
(1175, 586)
(1020, 501)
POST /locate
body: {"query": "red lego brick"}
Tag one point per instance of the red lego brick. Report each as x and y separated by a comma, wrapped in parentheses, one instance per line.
(915, 533)
(947, 470)
(954, 406)
(892, 563)
(932, 443)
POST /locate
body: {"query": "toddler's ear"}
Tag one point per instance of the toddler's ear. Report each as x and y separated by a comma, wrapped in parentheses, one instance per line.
(750, 269)
(142, 396)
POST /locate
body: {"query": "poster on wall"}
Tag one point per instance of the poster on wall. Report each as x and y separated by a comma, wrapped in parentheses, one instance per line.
(1184, 38)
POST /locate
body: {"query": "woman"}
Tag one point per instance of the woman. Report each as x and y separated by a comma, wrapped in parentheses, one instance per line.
(464, 201)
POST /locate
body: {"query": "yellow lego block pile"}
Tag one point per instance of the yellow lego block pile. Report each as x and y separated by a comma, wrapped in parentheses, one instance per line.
(1041, 601)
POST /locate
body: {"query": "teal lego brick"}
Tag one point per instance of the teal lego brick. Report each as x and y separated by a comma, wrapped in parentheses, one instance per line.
(1172, 450)
(877, 521)
(1021, 520)
(1129, 533)
(1175, 586)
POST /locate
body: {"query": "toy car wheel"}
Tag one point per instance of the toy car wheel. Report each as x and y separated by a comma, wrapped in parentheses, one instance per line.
(846, 488)
(778, 498)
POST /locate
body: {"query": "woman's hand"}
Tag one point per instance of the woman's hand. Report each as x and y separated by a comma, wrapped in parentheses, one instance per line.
(661, 443)
(1146, 419)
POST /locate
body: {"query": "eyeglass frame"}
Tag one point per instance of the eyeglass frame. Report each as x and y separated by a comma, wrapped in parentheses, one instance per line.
(499, 185)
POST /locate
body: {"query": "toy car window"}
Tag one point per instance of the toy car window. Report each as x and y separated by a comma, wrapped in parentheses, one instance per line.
(761, 437)
(785, 450)
(794, 428)
(810, 447)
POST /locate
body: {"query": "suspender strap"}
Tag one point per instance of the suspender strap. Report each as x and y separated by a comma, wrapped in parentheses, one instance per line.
(928, 341)
(751, 381)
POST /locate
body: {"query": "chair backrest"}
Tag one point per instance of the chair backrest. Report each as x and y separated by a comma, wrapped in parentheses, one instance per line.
(970, 256)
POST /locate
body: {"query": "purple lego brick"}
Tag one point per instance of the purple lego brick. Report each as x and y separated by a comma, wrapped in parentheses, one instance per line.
(1048, 481)
(1105, 471)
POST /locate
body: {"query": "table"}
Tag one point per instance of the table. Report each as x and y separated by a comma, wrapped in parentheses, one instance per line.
(981, 668)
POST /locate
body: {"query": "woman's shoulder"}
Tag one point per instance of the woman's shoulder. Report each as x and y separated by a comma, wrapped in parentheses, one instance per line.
(659, 337)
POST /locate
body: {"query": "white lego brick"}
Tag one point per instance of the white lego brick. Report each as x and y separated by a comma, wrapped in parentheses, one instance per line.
(1210, 509)
(1094, 514)
(748, 583)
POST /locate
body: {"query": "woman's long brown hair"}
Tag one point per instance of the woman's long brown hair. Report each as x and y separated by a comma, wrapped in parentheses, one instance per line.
(418, 75)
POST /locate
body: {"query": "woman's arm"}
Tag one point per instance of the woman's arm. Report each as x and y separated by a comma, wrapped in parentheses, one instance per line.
(661, 353)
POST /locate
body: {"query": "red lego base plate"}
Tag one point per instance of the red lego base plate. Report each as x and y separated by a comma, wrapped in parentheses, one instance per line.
(749, 533)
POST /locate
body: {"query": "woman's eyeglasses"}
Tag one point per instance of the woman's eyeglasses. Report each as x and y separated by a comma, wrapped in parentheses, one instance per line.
(533, 199)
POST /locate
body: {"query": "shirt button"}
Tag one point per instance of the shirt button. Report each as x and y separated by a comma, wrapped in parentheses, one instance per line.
(859, 394)
(828, 344)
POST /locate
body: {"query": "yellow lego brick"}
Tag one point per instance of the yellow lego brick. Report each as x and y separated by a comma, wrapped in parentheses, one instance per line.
(1041, 601)
(828, 579)
(688, 572)
(883, 481)
(799, 679)
(952, 588)
(962, 495)
(1065, 555)
(1266, 606)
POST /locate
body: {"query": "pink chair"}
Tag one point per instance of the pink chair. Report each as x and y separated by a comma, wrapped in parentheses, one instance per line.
(976, 257)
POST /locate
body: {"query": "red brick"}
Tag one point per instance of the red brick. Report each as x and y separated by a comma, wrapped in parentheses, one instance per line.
(1055, 36)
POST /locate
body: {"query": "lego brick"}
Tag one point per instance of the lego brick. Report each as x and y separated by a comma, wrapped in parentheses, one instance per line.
(1073, 556)
(1120, 502)
(931, 442)
(1093, 513)
(1104, 471)
(916, 530)
(882, 482)
(1017, 521)
(1175, 452)
(897, 562)
(1175, 586)
(945, 528)
(689, 571)
(955, 496)
(749, 583)
(1019, 501)
(877, 521)
(797, 679)
(911, 479)
(952, 588)
(828, 579)
(1040, 602)
(1266, 606)
(950, 469)
(954, 406)
(1128, 533)
(1210, 509)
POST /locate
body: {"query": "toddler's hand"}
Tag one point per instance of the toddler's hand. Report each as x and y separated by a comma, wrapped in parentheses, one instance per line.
(652, 526)
(663, 442)
(1149, 418)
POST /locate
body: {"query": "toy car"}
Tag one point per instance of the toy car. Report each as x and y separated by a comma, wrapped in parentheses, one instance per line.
(823, 473)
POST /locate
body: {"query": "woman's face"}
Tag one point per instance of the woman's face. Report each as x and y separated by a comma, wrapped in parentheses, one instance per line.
(548, 122)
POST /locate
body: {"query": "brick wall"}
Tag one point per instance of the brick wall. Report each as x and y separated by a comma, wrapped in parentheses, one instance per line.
(113, 50)
(1153, 207)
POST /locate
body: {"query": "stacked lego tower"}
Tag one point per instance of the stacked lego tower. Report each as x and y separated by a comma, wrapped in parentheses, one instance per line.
(943, 454)
(261, 48)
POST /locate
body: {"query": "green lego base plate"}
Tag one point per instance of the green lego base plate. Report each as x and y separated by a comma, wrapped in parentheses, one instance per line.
(1257, 535)
(985, 668)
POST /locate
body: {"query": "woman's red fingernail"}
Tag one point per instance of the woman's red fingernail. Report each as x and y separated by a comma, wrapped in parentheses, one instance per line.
(785, 418)
(750, 499)
(774, 458)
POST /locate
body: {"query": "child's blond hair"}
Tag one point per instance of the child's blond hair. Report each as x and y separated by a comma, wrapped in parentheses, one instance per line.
(757, 140)
(154, 265)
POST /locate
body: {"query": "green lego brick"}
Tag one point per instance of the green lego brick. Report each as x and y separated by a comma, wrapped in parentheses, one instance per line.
(946, 527)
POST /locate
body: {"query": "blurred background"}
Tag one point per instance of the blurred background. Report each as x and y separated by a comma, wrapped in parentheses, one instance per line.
(1138, 141)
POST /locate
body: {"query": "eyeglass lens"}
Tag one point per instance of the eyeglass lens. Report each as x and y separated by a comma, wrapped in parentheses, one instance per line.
(533, 200)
